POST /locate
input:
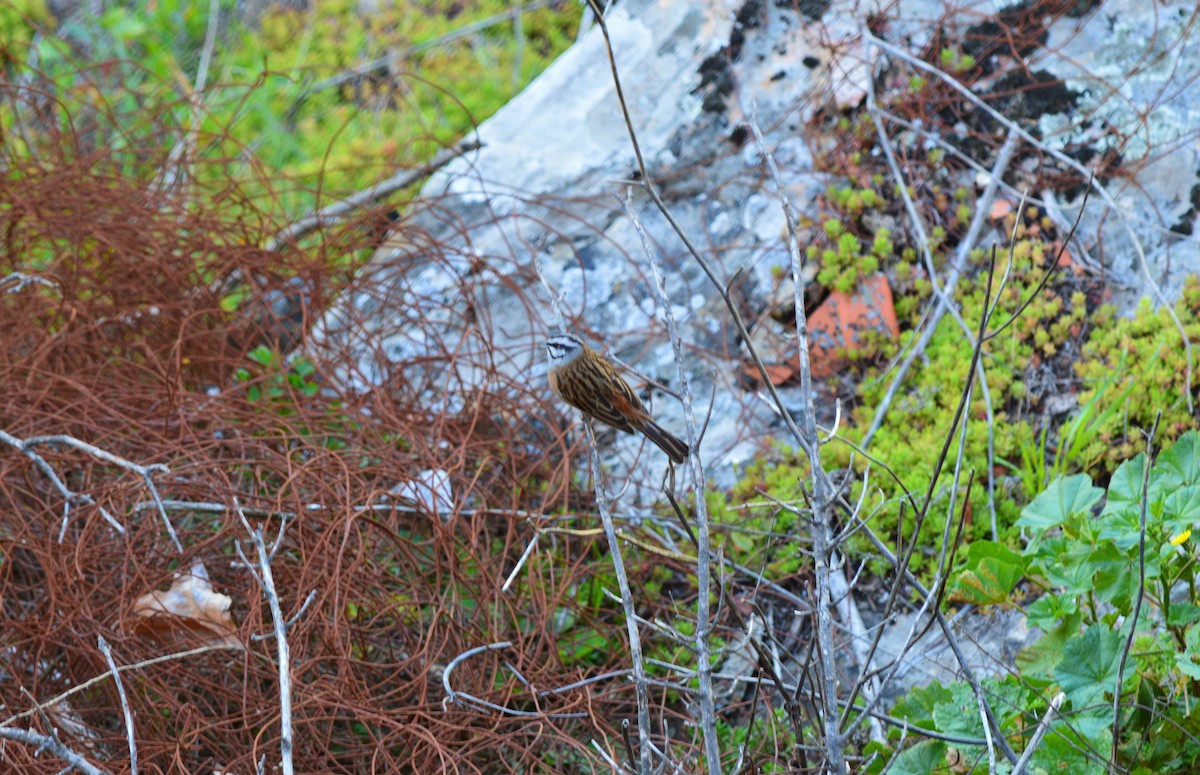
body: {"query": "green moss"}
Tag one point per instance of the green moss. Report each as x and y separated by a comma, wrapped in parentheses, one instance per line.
(914, 430)
(850, 252)
(1144, 362)
(1129, 370)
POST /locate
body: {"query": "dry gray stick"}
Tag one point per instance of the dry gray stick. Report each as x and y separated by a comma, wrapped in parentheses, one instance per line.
(106, 650)
(708, 712)
(822, 520)
(1036, 740)
(631, 619)
(25, 448)
(267, 582)
(103, 676)
(341, 209)
(470, 700)
(945, 295)
(945, 298)
(20, 280)
(987, 733)
(607, 757)
(54, 746)
(1141, 592)
(146, 472)
(947, 633)
(647, 182)
(379, 63)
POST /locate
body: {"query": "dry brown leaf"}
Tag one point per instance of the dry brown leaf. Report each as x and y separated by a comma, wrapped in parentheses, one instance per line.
(190, 610)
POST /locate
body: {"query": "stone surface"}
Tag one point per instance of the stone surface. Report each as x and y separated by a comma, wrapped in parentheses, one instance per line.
(531, 226)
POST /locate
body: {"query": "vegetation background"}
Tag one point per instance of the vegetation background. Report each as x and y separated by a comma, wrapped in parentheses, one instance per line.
(214, 554)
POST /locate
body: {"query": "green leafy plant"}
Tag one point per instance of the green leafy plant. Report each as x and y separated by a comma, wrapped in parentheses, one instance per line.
(1096, 565)
(1076, 450)
(282, 97)
(277, 381)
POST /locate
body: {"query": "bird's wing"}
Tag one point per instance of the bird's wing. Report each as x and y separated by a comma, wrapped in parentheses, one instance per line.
(621, 408)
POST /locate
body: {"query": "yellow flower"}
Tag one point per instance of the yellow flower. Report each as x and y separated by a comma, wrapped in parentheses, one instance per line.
(1178, 539)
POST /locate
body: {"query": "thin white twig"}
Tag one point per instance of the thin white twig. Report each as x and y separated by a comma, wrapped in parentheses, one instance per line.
(266, 581)
(607, 757)
(146, 472)
(469, 700)
(1141, 589)
(342, 208)
(106, 650)
(20, 280)
(123, 668)
(210, 39)
(822, 490)
(533, 542)
(708, 712)
(25, 447)
(987, 733)
(1015, 128)
(388, 60)
(1036, 740)
(645, 766)
(54, 746)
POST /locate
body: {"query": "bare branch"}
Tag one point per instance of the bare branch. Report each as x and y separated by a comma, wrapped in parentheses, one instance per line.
(267, 582)
(116, 674)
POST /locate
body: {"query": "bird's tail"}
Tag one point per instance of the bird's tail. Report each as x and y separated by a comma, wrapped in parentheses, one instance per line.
(675, 449)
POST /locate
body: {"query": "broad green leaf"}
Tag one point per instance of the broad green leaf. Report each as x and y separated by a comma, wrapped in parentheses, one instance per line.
(1123, 527)
(1065, 752)
(1088, 669)
(877, 755)
(1183, 614)
(1115, 576)
(1125, 487)
(1189, 661)
(916, 707)
(1179, 466)
(923, 758)
(1181, 508)
(960, 714)
(1064, 497)
(1064, 563)
(990, 582)
(1038, 660)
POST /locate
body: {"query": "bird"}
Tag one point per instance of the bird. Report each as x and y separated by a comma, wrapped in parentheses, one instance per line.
(587, 381)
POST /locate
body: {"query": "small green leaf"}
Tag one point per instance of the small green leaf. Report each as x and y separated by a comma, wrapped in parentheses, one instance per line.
(1189, 661)
(918, 705)
(992, 572)
(959, 716)
(261, 355)
(877, 755)
(1183, 614)
(1049, 610)
(1181, 507)
(303, 367)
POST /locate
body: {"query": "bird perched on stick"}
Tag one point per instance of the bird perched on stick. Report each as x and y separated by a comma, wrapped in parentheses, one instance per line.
(587, 381)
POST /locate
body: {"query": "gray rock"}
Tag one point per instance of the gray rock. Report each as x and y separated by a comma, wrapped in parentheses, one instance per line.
(540, 202)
